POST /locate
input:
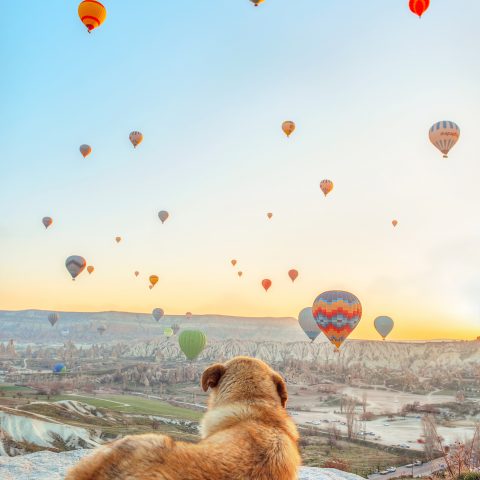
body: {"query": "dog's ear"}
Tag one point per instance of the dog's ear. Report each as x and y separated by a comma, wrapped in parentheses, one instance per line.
(281, 388)
(212, 375)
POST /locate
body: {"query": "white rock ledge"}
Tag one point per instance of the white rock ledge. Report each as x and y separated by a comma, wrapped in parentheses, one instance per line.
(53, 466)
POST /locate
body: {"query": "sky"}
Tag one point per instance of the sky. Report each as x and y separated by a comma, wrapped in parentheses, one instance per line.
(209, 83)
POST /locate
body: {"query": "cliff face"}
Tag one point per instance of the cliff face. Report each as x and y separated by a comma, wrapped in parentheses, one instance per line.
(53, 466)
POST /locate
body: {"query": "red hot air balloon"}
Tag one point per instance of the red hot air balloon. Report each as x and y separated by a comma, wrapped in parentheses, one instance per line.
(394, 223)
(419, 7)
(266, 284)
(293, 274)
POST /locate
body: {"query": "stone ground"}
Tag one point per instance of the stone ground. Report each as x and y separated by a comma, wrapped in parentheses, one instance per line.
(52, 466)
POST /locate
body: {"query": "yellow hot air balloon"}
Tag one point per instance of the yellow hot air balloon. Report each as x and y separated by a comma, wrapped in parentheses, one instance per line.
(90, 268)
(92, 14)
(257, 2)
(153, 280)
(288, 127)
(326, 186)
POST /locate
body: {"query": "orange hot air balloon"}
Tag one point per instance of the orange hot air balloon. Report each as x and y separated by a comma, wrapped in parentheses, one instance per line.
(288, 127)
(269, 215)
(233, 262)
(394, 223)
(153, 280)
(90, 268)
(419, 7)
(92, 14)
(326, 186)
(266, 284)
(118, 239)
(239, 274)
(137, 273)
(293, 274)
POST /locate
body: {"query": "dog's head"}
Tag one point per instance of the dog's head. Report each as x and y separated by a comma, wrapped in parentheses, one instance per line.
(245, 380)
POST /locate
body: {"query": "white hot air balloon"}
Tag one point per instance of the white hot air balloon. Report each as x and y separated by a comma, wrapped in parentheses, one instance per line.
(75, 265)
(444, 135)
(308, 323)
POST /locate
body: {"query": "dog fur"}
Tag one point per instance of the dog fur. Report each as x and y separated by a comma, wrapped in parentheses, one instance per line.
(246, 435)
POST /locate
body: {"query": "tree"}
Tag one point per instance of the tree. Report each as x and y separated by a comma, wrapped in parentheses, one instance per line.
(349, 408)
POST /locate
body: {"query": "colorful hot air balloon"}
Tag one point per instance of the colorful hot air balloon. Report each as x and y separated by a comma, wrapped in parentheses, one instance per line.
(383, 325)
(337, 314)
(419, 7)
(188, 315)
(233, 262)
(158, 313)
(308, 323)
(266, 284)
(90, 269)
(326, 186)
(136, 138)
(192, 343)
(53, 318)
(153, 280)
(101, 329)
(85, 150)
(394, 223)
(239, 274)
(47, 221)
(92, 14)
(163, 216)
(136, 273)
(118, 239)
(269, 215)
(293, 274)
(59, 368)
(257, 2)
(444, 135)
(288, 127)
(75, 265)
(168, 332)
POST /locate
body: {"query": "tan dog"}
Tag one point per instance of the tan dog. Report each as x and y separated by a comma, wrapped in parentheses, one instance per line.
(246, 435)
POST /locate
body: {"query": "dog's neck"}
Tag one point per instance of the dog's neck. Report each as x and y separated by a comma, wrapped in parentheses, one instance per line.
(224, 416)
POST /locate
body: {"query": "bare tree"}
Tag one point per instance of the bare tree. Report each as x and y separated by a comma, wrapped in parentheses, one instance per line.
(349, 408)
(430, 436)
(364, 402)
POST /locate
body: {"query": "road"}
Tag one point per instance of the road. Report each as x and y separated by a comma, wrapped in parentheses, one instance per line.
(421, 471)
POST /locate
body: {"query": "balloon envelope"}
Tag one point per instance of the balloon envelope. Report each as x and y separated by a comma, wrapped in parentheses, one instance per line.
(137, 273)
(288, 127)
(168, 332)
(233, 262)
(153, 280)
(59, 368)
(85, 150)
(266, 284)
(118, 239)
(444, 135)
(326, 186)
(239, 274)
(158, 313)
(136, 138)
(163, 215)
(90, 268)
(75, 265)
(308, 323)
(269, 215)
(192, 343)
(419, 7)
(53, 318)
(92, 13)
(394, 223)
(337, 313)
(257, 2)
(383, 325)
(101, 329)
(293, 274)
(47, 221)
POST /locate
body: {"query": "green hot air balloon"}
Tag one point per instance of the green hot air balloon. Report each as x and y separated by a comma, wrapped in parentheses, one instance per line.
(192, 343)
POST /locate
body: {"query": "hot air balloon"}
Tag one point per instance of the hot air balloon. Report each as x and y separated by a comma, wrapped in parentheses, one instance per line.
(288, 127)
(383, 325)
(118, 239)
(326, 186)
(239, 274)
(233, 262)
(59, 368)
(101, 329)
(168, 332)
(394, 223)
(153, 280)
(150, 287)
(419, 7)
(175, 328)
(136, 273)
(308, 323)
(293, 274)
(188, 315)
(53, 318)
(90, 269)
(158, 313)
(163, 216)
(136, 138)
(92, 14)
(269, 215)
(257, 2)
(337, 314)
(85, 150)
(266, 284)
(75, 265)
(47, 221)
(192, 343)
(444, 135)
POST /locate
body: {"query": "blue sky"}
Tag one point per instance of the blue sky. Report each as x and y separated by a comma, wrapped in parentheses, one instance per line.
(209, 84)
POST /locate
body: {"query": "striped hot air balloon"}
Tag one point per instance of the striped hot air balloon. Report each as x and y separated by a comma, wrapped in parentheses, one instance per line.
(419, 7)
(92, 14)
(75, 265)
(337, 314)
(192, 343)
(444, 135)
